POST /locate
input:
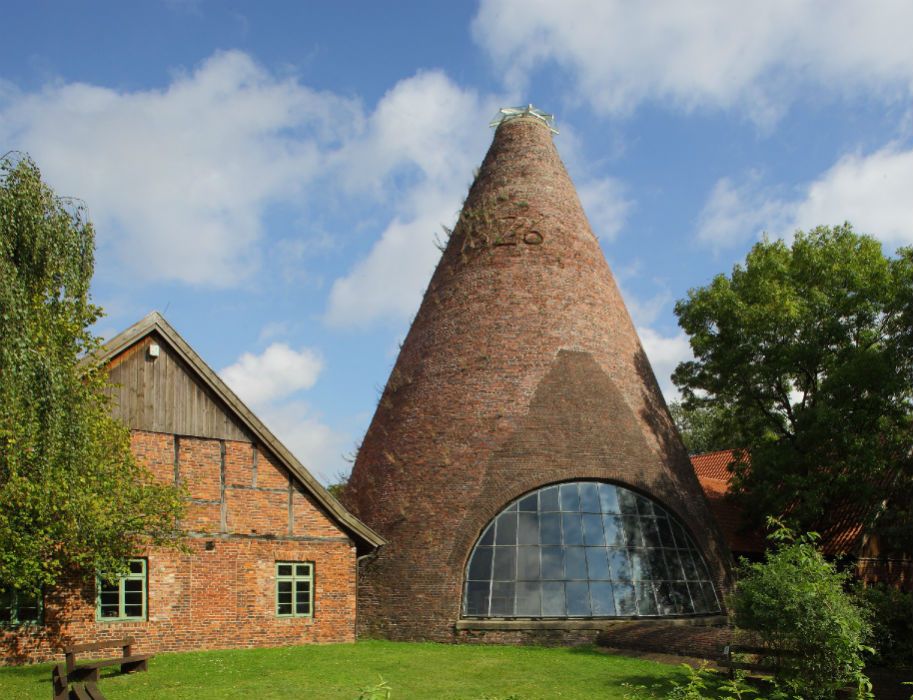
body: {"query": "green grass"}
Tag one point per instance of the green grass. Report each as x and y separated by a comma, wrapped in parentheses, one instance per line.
(340, 671)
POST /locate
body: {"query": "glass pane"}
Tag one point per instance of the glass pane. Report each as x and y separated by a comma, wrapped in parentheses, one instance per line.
(527, 563)
(302, 590)
(665, 599)
(528, 532)
(507, 529)
(589, 498)
(631, 526)
(110, 610)
(136, 566)
(502, 598)
(480, 566)
(646, 602)
(302, 569)
(553, 562)
(570, 498)
(477, 597)
(573, 532)
(284, 587)
(528, 599)
(488, 537)
(284, 608)
(692, 573)
(132, 584)
(26, 613)
(608, 498)
(530, 503)
(626, 502)
(619, 565)
(593, 534)
(553, 599)
(575, 563)
(303, 607)
(133, 610)
(284, 569)
(578, 598)
(597, 563)
(613, 532)
(665, 532)
(682, 541)
(110, 598)
(602, 598)
(505, 568)
(713, 605)
(657, 564)
(550, 528)
(625, 602)
(133, 598)
(548, 499)
(640, 567)
(6, 613)
(512, 507)
(650, 532)
(673, 557)
(644, 507)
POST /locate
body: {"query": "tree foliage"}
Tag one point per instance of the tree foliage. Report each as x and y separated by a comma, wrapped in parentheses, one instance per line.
(797, 603)
(72, 497)
(704, 427)
(806, 348)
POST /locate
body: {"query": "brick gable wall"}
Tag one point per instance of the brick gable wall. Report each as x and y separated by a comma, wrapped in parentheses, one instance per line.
(245, 514)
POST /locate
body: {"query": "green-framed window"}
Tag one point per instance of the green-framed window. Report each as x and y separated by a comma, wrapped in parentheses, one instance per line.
(294, 589)
(18, 608)
(125, 597)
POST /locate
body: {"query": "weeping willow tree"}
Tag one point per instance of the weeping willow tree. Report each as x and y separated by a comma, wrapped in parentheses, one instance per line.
(72, 497)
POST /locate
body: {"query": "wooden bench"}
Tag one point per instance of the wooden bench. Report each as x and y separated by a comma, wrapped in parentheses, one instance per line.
(88, 670)
(758, 666)
(62, 691)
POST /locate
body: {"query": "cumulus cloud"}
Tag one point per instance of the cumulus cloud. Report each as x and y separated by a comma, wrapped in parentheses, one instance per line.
(665, 353)
(271, 383)
(177, 179)
(871, 191)
(277, 372)
(426, 133)
(606, 205)
(754, 56)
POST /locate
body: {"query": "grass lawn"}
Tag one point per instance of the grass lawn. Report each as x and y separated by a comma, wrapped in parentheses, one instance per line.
(340, 671)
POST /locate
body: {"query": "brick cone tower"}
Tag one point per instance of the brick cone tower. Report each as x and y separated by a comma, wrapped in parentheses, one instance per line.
(522, 368)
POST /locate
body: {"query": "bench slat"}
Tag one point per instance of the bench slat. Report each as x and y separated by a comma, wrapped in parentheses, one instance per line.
(113, 662)
(95, 646)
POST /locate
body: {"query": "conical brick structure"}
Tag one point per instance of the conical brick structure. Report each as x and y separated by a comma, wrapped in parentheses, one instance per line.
(521, 369)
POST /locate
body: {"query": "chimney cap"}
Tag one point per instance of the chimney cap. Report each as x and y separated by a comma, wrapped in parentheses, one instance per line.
(506, 114)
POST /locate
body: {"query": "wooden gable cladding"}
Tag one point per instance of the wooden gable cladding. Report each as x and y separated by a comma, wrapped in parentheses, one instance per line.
(163, 395)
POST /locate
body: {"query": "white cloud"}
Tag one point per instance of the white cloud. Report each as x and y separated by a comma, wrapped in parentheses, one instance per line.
(420, 147)
(278, 372)
(664, 353)
(316, 445)
(735, 213)
(269, 383)
(606, 205)
(704, 53)
(870, 191)
(177, 179)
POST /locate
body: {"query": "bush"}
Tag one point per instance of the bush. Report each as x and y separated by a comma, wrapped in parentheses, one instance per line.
(797, 604)
(891, 616)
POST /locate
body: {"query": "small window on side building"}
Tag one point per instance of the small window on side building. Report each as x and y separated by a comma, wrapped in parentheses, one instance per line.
(123, 598)
(19, 608)
(294, 589)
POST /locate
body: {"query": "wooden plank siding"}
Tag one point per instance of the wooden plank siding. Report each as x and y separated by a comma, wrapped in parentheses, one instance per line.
(162, 395)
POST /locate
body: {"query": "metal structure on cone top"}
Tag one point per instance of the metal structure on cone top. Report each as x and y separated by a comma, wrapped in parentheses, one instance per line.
(522, 463)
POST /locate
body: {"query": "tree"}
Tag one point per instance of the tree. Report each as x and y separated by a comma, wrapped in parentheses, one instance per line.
(796, 603)
(807, 348)
(72, 497)
(704, 427)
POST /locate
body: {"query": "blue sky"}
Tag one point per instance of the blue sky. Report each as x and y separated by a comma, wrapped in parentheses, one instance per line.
(272, 175)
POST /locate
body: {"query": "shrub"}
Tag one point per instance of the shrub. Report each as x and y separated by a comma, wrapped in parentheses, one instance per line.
(796, 603)
(891, 616)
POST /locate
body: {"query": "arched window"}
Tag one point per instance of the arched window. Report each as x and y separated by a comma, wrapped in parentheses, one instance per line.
(586, 549)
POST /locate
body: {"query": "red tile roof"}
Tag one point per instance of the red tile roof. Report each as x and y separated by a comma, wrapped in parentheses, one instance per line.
(840, 537)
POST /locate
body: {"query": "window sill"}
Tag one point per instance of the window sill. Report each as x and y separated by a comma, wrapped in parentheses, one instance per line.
(505, 624)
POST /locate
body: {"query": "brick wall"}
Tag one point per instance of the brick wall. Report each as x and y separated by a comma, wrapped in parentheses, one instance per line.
(245, 515)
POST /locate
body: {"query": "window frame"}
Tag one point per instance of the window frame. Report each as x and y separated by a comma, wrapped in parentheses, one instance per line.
(121, 589)
(14, 607)
(294, 578)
